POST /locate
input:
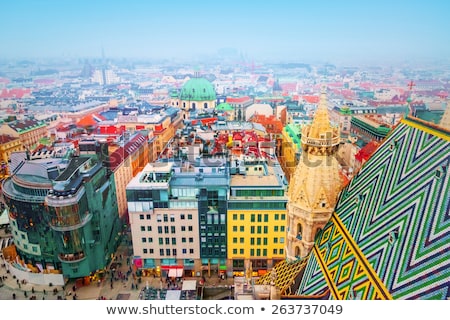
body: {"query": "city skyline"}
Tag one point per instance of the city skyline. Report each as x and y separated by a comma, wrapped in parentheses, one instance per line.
(380, 32)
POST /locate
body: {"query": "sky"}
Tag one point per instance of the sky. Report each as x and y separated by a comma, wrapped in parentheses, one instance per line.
(296, 30)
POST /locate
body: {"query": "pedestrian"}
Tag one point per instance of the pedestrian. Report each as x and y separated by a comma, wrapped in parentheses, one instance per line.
(14, 296)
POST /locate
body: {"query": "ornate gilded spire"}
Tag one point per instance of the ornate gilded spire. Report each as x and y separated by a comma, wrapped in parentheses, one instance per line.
(315, 184)
(445, 120)
(321, 121)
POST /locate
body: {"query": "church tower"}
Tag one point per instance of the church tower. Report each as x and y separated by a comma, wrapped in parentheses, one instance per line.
(445, 120)
(315, 184)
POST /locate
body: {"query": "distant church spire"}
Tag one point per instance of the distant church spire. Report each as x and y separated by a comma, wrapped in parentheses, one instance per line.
(445, 120)
(315, 184)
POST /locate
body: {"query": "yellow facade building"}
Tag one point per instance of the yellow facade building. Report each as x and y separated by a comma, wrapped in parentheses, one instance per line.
(28, 131)
(8, 145)
(256, 217)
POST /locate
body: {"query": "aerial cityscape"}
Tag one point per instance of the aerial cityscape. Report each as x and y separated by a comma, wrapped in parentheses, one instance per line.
(147, 159)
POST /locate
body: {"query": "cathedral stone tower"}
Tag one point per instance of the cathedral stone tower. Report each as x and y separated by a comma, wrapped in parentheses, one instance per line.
(315, 184)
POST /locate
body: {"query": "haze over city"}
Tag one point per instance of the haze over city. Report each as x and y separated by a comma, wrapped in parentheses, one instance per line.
(350, 31)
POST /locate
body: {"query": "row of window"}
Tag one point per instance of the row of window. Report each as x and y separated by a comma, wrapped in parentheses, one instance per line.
(258, 240)
(258, 252)
(259, 217)
(166, 229)
(167, 252)
(167, 240)
(242, 229)
(165, 217)
(173, 252)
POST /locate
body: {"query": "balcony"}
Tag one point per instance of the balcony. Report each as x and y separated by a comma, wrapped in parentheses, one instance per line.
(316, 142)
(70, 225)
(71, 257)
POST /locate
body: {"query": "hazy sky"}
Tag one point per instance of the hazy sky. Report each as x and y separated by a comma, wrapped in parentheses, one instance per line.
(295, 30)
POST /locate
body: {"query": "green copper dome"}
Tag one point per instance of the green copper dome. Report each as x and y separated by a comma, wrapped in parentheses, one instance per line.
(198, 89)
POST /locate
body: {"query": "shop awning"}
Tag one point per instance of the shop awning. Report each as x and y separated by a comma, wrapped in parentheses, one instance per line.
(175, 272)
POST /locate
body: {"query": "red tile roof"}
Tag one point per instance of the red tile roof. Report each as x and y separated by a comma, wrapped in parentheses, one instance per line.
(4, 138)
(365, 152)
(118, 156)
(16, 93)
(90, 120)
(237, 100)
(311, 99)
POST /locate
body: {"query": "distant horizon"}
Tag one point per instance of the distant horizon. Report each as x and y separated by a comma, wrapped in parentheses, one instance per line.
(348, 32)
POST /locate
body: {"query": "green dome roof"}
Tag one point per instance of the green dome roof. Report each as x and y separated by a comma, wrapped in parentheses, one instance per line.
(198, 89)
(224, 107)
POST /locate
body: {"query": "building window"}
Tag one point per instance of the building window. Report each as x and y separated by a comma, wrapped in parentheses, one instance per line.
(149, 217)
(275, 228)
(190, 228)
(141, 216)
(144, 239)
(150, 240)
(149, 228)
(189, 216)
(142, 228)
(277, 216)
(160, 240)
(242, 217)
(174, 252)
(235, 240)
(252, 218)
(275, 240)
(144, 250)
(234, 251)
(166, 218)
(167, 240)
(241, 251)
(172, 229)
(234, 216)
(150, 251)
(174, 241)
(259, 217)
(191, 251)
(234, 228)
(241, 228)
(191, 240)
(184, 251)
(252, 241)
(182, 216)
(183, 228)
(183, 239)
(241, 240)
(252, 229)
(266, 218)
(161, 252)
